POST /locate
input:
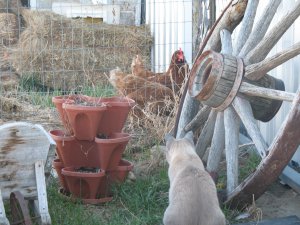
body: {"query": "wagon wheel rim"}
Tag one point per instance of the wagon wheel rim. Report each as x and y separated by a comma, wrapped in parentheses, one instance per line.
(19, 209)
(203, 84)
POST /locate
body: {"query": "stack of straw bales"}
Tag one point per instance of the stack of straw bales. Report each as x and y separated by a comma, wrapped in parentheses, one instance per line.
(9, 31)
(10, 6)
(65, 53)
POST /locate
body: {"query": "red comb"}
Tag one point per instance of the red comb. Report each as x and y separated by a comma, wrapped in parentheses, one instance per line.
(180, 55)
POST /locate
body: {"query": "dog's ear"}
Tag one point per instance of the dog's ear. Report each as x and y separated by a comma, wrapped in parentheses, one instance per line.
(189, 136)
(169, 140)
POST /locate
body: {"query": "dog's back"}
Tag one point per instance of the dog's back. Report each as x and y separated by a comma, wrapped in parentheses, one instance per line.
(192, 195)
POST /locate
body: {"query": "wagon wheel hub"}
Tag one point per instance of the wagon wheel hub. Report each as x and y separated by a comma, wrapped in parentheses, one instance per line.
(215, 79)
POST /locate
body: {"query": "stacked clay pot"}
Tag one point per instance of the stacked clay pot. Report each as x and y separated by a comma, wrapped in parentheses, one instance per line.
(90, 147)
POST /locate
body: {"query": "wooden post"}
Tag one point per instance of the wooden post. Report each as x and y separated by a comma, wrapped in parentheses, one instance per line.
(42, 193)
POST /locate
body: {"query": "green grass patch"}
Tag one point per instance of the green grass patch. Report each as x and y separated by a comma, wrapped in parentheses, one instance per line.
(135, 203)
(33, 91)
(249, 166)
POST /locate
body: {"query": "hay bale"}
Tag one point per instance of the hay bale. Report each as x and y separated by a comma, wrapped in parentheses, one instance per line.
(10, 105)
(8, 6)
(8, 81)
(56, 48)
(8, 29)
(5, 62)
(4, 5)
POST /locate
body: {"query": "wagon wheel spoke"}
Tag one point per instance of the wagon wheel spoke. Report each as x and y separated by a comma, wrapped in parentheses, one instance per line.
(261, 27)
(258, 70)
(243, 109)
(253, 90)
(274, 163)
(206, 134)
(246, 25)
(231, 122)
(268, 42)
(216, 80)
(198, 120)
(217, 144)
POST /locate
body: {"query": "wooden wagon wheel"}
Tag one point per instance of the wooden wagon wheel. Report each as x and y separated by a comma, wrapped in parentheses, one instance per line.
(19, 209)
(234, 86)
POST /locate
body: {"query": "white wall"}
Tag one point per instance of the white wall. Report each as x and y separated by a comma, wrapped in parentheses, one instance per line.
(171, 26)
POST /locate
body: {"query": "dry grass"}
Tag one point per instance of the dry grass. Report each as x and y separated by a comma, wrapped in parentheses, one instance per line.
(151, 127)
(10, 6)
(9, 29)
(72, 51)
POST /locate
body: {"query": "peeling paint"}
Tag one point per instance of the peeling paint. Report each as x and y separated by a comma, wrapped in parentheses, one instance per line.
(12, 141)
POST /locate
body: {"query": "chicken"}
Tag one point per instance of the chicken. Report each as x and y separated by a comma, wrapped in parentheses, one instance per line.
(148, 88)
(127, 83)
(138, 68)
(173, 78)
(155, 93)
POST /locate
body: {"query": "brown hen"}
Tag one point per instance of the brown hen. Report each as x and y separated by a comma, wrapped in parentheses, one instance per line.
(146, 87)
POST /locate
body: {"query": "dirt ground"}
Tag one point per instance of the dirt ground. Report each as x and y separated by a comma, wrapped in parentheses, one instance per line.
(279, 201)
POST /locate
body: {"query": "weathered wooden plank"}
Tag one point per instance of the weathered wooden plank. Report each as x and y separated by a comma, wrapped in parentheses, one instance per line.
(232, 125)
(217, 144)
(258, 70)
(253, 90)
(42, 193)
(264, 47)
(230, 69)
(243, 109)
(260, 28)
(21, 144)
(206, 134)
(27, 188)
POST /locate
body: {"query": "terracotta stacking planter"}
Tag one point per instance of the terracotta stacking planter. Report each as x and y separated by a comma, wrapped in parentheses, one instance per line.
(58, 166)
(110, 149)
(116, 115)
(83, 183)
(84, 119)
(119, 174)
(92, 139)
(58, 101)
(73, 152)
